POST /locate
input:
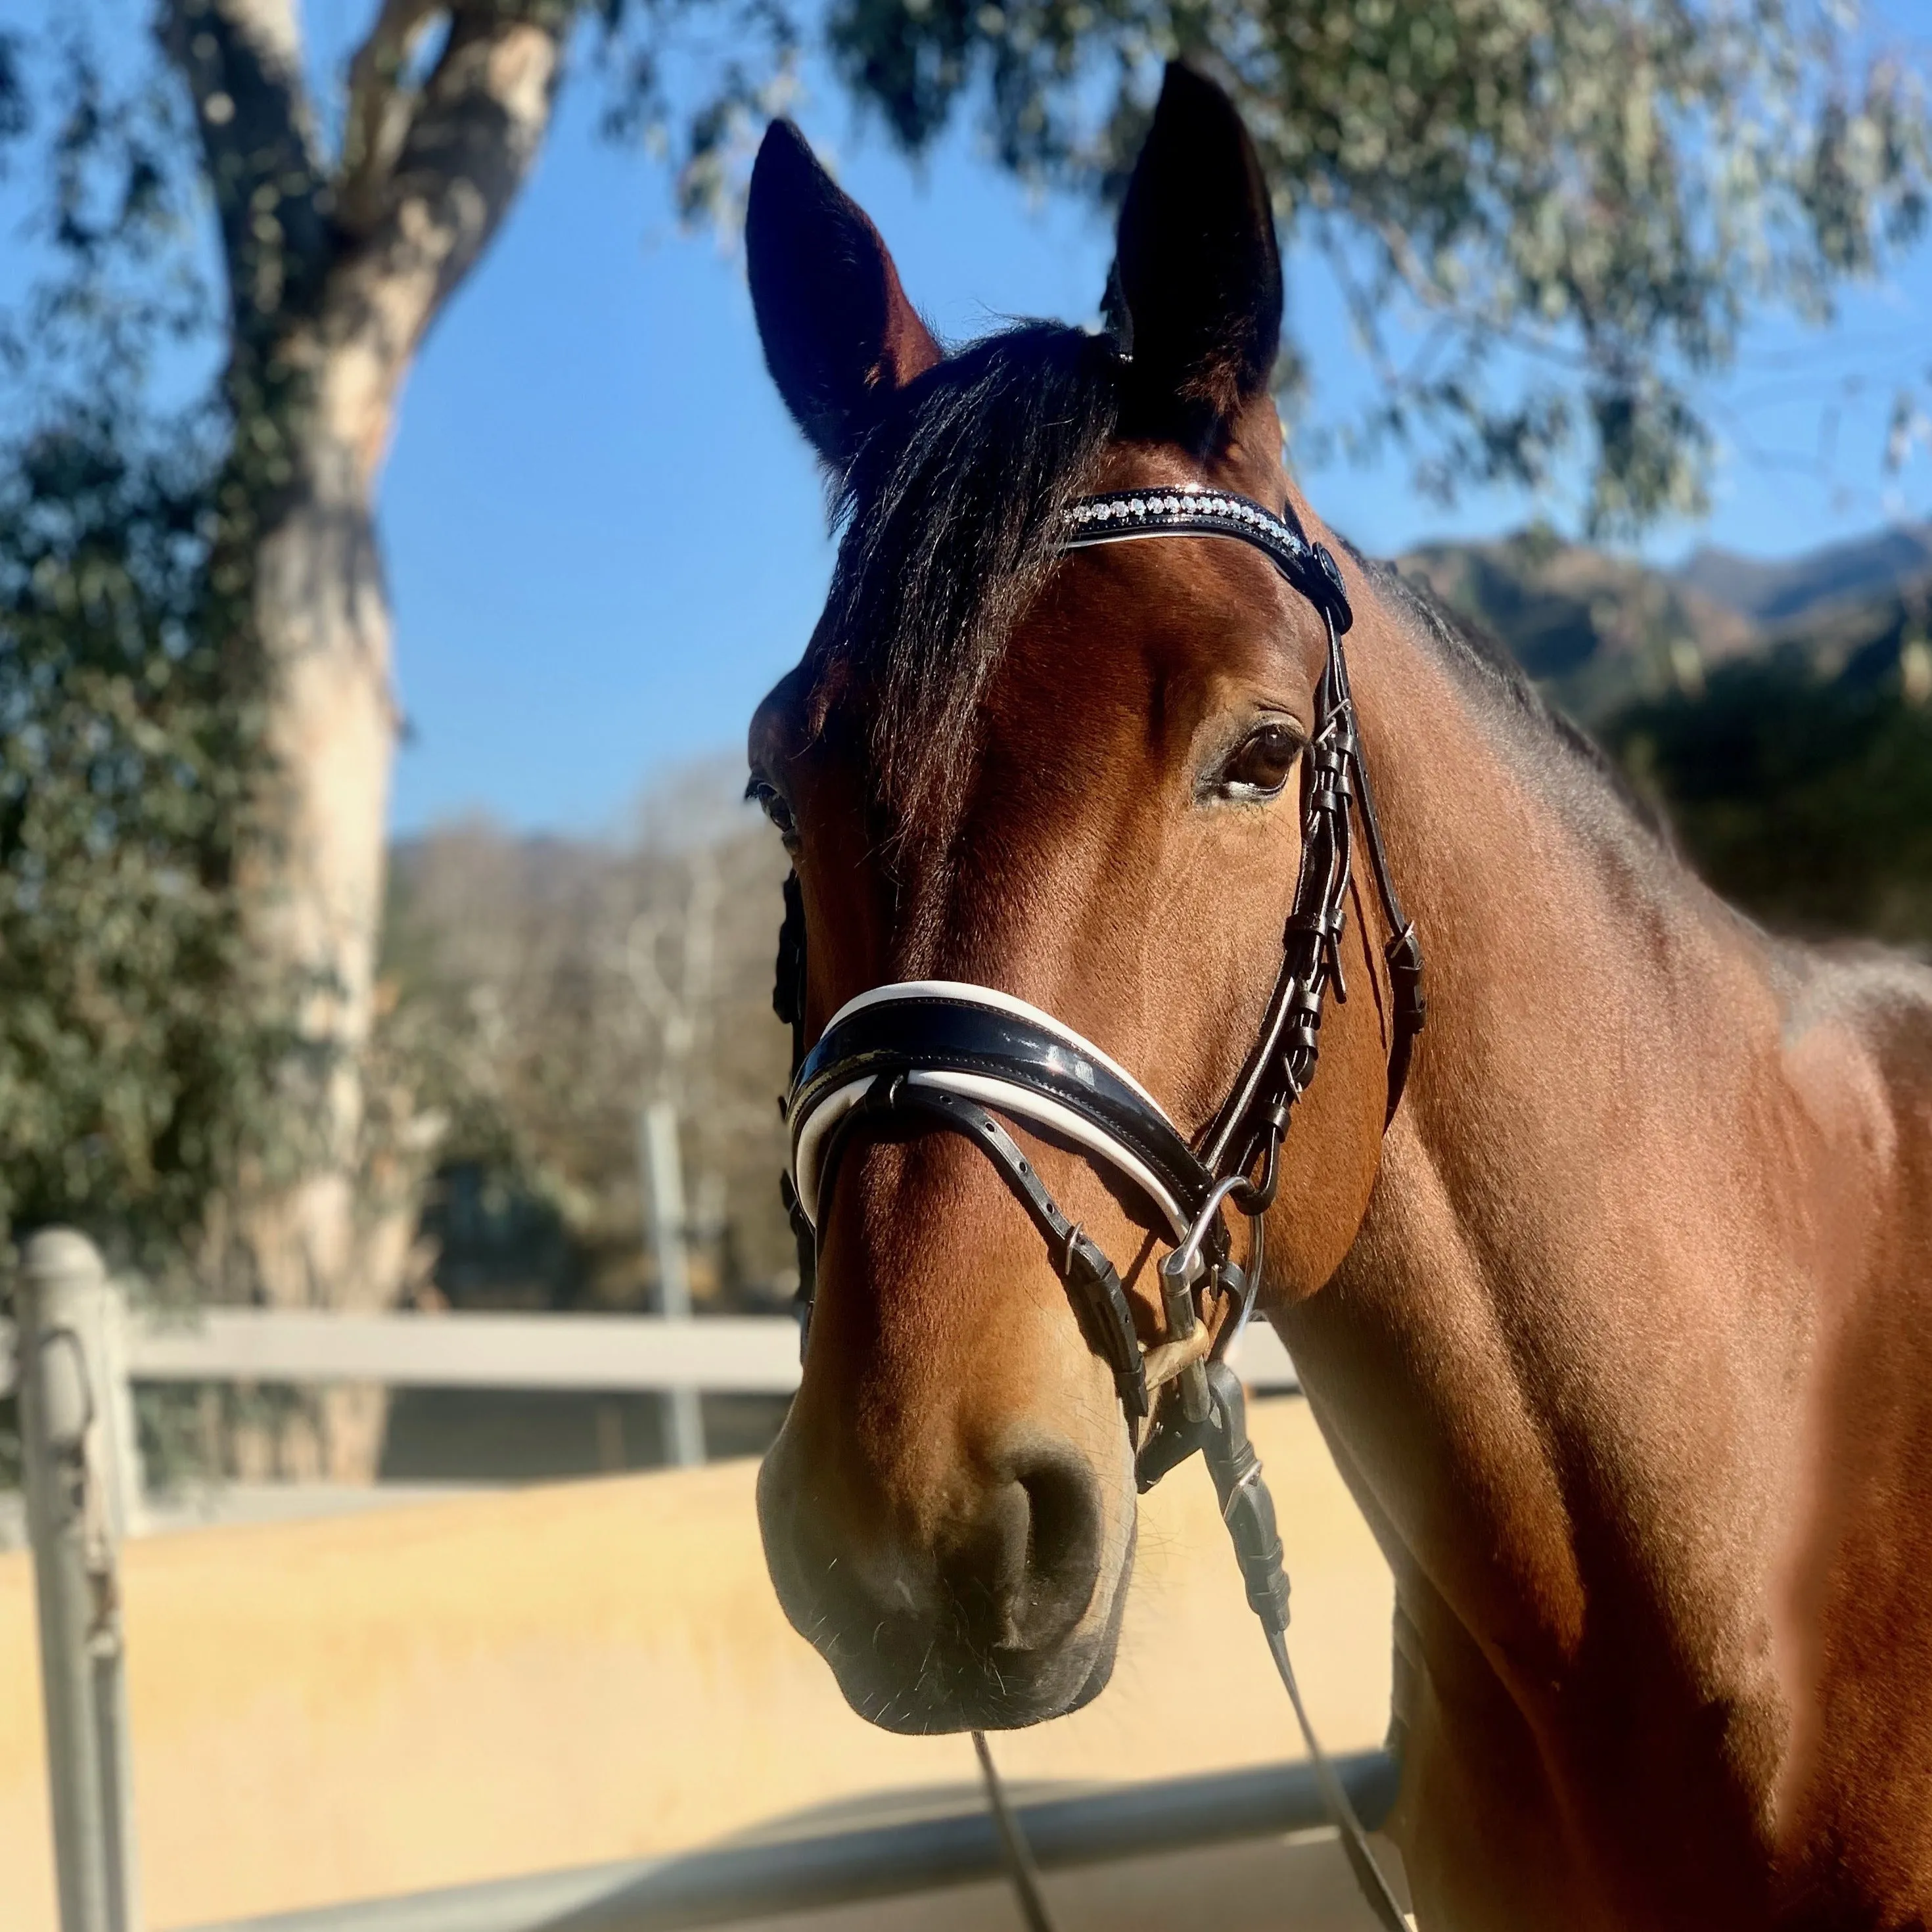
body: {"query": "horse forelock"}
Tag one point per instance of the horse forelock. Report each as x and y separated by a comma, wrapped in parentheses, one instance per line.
(946, 517)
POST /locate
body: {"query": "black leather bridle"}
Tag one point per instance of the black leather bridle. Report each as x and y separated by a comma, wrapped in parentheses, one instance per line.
(949, 1056)
(954, 1057)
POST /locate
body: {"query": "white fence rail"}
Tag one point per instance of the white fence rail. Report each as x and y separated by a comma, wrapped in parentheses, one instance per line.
(744, 1354)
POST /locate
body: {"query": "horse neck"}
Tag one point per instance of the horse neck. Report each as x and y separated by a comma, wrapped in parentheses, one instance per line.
(1555, 1362)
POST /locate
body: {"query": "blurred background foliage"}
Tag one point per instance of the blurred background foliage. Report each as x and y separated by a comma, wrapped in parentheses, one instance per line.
(135, 1042)
(544, 989)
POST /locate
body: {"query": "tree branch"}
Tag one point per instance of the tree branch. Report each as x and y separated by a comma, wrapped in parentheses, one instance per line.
(380, 107)
(471, 140)
(241, 60)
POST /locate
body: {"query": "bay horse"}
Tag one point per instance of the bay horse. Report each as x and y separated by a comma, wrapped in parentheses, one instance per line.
(1619, 1326)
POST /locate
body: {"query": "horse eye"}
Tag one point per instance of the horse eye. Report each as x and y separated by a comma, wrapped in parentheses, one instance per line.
(771, 802)
(1261, 766)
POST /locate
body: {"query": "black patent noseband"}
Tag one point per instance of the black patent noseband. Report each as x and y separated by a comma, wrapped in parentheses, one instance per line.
(952, 1056)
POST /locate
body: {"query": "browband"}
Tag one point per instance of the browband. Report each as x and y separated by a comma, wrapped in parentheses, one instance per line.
(1192, 510)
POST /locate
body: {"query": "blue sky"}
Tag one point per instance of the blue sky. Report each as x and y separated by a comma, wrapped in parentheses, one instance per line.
(605, 537)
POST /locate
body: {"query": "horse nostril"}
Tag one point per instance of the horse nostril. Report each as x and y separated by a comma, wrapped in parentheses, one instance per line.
(1031, 1567)
(1067, 1528)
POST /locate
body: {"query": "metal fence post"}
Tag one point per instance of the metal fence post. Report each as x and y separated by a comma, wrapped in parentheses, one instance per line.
(68, 1405)
(664, 1201)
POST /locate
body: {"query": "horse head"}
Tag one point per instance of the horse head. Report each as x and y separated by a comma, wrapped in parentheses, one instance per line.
(1078, 779)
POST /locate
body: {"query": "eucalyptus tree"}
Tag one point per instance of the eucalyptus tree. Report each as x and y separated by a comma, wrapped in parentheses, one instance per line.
(334, 257)
(337, 264)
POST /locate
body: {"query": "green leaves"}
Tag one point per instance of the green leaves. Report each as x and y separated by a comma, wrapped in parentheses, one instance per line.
(1528, 204)
(131, 1050)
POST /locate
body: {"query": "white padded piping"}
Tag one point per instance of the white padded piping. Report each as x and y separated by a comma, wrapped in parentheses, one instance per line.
(1002, 1003)
(819, 1123)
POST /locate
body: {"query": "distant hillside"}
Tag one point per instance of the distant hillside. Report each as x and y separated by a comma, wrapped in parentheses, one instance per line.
(1597, 632)
(1779, 714)
(1800, 780)
(1786, 593)
(1600, 633)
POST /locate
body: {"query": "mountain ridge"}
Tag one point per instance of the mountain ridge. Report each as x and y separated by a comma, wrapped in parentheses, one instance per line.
(1598, 631)
(1776, 591)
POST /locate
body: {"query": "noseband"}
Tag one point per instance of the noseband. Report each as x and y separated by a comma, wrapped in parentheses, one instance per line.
(942, 1055)
(945, 1055)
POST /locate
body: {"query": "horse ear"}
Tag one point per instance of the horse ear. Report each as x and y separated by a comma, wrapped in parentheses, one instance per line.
(838, 332)
(1197, 274)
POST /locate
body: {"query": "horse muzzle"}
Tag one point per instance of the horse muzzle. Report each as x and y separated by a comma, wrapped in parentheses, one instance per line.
(1003, 1612)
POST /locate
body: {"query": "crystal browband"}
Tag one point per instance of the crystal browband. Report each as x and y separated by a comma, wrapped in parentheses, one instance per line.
(1152, 509)
(1120, 518)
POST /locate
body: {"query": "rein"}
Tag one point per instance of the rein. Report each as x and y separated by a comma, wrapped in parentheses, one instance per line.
(952, 1056)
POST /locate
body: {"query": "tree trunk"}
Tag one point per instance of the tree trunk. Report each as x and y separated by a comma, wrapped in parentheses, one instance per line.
(321, 625)
(336, 271)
